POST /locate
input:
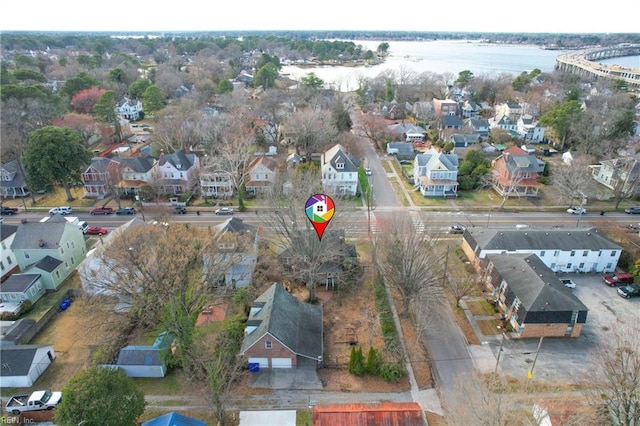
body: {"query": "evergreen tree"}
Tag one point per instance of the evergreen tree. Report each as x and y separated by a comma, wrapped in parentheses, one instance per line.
(373, 362)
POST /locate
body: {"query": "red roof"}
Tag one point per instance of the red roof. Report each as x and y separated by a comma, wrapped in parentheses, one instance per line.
(383, 414)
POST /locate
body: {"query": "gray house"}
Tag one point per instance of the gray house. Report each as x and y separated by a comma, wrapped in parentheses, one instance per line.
(51, 271)
(144, 361)
(12, 182)
(19, 288)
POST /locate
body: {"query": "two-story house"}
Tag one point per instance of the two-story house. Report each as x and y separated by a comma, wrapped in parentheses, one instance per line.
(129, 109)
(529, 130)
(136, 173)
(339, 172)
(448, 125)
(237, 252)
(435, 174)
(215, 183)
(177, 172)
(534, 301)
(618, 175)
(470, 110)
(407, 132)
(442, 107)
(480, 126)
(515, 173)
(55, 247)
(12, 181)
(510, 109)
(504, 122)
(577, 250)
(262, 175)
(96, 178)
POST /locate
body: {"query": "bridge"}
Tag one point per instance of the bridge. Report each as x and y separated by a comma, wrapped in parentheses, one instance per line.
(585, 63)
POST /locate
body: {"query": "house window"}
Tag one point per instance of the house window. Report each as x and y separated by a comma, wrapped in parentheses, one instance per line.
(66, 265)
(339, 166)
(4, 246)
(26, 255)
(573, 253)
(556, 253)
(268, 344)
(542, 252)
(73, 244)
(581, 266)
(9, 260)
(569, 265)
(72, 261)
(61, 250)
(585, 253)
(1, 265)
(613, 253)
(58, 274)
(68, 245)
(609, 266)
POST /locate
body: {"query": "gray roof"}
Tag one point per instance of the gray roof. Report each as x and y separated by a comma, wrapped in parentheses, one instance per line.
(451, 121)
(29, 234)
(523, 162)
(339, 155)
(141, 164)
(479, 122)
(450, 161)
(139, 355)
(405, 148)
(18, 283)
(179, 159)
(549, 239)
(48, 264)
(235, 224)
(18, 178)
(296, 324)
(535, 285)
(99, 164)
(6, 231)
(17, 360)
(400, 128)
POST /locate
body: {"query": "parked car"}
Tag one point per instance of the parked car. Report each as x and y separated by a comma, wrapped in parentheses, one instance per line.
(64, 210)
(96, 230)
(457, 229)
(38, 400)
(368, 172)
(632, 210)
(629, 291)
(179, 210)
(102, 210)
(576, 210)
(224, 210)
(568, 283)
(126, 210)
(621, 278)
(419, 143)
(8, 211)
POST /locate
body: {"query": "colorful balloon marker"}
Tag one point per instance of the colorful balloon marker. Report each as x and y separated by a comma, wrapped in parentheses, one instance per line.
(319, 210)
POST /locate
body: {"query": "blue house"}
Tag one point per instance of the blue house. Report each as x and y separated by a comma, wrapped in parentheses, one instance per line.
(174, 419)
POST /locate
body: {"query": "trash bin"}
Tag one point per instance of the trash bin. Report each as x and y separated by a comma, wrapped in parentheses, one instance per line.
(254, 367)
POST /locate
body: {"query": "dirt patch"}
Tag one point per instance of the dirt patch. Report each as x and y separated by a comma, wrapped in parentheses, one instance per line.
(215, 311)
(417, 355)
(77, 334)
(339, 380)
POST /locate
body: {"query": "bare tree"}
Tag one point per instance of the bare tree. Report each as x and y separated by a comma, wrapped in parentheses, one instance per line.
(374, 127)
(625, 179)
(616, 397)
(573, 180)
(177, 126)
(314, 130)
(407, 259)
(460, 284)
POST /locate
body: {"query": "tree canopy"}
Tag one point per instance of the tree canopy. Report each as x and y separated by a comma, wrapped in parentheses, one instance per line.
(79, 82)
(100, 397)
(55, 155)
(561, 117)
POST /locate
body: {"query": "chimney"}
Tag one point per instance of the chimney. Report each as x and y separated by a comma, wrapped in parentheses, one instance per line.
(187, 149)
(161, 156)
(41, 243)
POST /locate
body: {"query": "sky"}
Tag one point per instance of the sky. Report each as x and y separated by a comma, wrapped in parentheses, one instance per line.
(541, 16)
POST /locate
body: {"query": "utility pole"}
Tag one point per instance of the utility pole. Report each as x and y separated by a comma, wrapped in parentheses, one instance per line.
(535, 358)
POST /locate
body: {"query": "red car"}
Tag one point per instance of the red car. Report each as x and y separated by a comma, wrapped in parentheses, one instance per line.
(621, 278)
(102, 210)
(419, 143)
(96, 230)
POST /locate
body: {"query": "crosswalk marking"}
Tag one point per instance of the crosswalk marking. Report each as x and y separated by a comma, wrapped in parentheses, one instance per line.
(417, 220)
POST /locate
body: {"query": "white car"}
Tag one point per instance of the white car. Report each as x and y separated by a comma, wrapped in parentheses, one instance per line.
(368, 172)
(576, 210)
(65, 210)
(568, 283)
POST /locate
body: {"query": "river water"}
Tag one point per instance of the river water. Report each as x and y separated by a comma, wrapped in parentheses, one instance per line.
(440, 57)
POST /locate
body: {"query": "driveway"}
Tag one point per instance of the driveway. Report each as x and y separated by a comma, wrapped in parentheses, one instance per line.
(305, 377)
(562, 360)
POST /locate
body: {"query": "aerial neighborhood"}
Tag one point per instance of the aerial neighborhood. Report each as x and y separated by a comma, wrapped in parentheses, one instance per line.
(156, 250)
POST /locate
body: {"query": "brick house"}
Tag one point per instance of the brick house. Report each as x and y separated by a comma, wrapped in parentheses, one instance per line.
(534, 300)
(442, 107)
(515, 173)
(283, 332)
(96, 178)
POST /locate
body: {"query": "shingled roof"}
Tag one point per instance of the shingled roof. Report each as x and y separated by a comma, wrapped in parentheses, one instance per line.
(296, 324)
(535, 285)
(17, 360)
(39, 235)
(549, 239)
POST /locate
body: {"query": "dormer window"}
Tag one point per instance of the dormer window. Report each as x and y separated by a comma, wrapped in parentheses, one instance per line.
(339, 166)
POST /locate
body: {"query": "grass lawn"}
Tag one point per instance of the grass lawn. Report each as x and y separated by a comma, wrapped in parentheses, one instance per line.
(171, 384)
(50, 299)
(304, 418)
(58, 197)
(398, 190)
(480, 307)
(386, 165)
(489, 327)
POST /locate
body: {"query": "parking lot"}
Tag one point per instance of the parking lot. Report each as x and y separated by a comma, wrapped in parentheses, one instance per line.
(562, 360)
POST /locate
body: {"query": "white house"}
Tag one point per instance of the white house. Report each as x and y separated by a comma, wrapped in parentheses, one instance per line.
(339, 172)
(618, 174)
(136, 172)
(12, 182)
(529, 129)
(435, 174)
(574, 250)
(129, 109)
(177, 171)
(503, 122)
(23, 364)
(8, 262)
(263, 172)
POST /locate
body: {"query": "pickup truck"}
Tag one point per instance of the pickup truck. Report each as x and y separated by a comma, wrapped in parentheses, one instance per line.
(38, 400)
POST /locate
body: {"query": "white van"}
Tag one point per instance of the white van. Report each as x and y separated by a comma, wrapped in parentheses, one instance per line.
(522, 226)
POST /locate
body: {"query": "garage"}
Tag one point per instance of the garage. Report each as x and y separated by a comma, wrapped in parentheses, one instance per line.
(280, 362)
(264, 362)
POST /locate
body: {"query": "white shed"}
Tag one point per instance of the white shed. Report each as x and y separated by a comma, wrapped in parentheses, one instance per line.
(23, 364)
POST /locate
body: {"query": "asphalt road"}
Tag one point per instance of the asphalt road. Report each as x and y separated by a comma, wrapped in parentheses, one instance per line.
(383, 192)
